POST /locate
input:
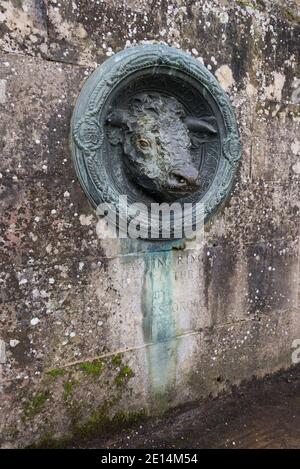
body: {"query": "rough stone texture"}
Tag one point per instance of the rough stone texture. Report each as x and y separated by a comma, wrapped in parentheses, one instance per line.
(95, 330)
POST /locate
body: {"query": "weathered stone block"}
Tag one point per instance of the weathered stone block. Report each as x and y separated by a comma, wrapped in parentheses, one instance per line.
(39, 97)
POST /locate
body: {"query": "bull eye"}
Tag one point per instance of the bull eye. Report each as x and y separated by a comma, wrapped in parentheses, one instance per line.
(143, 143)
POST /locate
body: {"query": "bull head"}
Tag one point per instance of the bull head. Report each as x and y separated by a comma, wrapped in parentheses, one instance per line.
(156, 139)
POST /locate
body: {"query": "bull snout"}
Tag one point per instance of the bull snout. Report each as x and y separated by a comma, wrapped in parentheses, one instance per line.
(187, 177)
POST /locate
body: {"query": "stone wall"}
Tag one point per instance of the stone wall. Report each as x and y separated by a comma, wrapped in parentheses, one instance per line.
(95, 332)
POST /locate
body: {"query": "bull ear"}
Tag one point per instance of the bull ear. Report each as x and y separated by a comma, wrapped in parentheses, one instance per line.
(117, 121)
(117, 118)
(206, 124)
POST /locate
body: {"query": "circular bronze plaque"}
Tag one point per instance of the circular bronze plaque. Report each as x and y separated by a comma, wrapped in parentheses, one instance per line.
(152, 123)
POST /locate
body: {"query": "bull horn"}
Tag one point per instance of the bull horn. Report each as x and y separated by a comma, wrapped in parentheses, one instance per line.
(200, 125)
(117, 117)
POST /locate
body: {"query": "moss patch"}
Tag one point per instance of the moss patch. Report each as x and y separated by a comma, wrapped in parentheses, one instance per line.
(124, 376)
(96, 425)
(93, 368)
(37, 403)
(116, 360)
(68, 387)
(56, 373)
(85, 420)
(99, 422)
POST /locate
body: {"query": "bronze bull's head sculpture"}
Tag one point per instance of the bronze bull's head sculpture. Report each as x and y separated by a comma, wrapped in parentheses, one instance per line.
(157, 139)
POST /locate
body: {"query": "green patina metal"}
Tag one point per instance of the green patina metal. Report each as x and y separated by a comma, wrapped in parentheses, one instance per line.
(150, 76)
(158, 142)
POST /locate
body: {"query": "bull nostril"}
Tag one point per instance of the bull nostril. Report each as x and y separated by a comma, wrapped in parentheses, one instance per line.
(190, 178)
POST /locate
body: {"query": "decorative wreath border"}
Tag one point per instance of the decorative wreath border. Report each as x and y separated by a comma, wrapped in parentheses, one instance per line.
(87, 133)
